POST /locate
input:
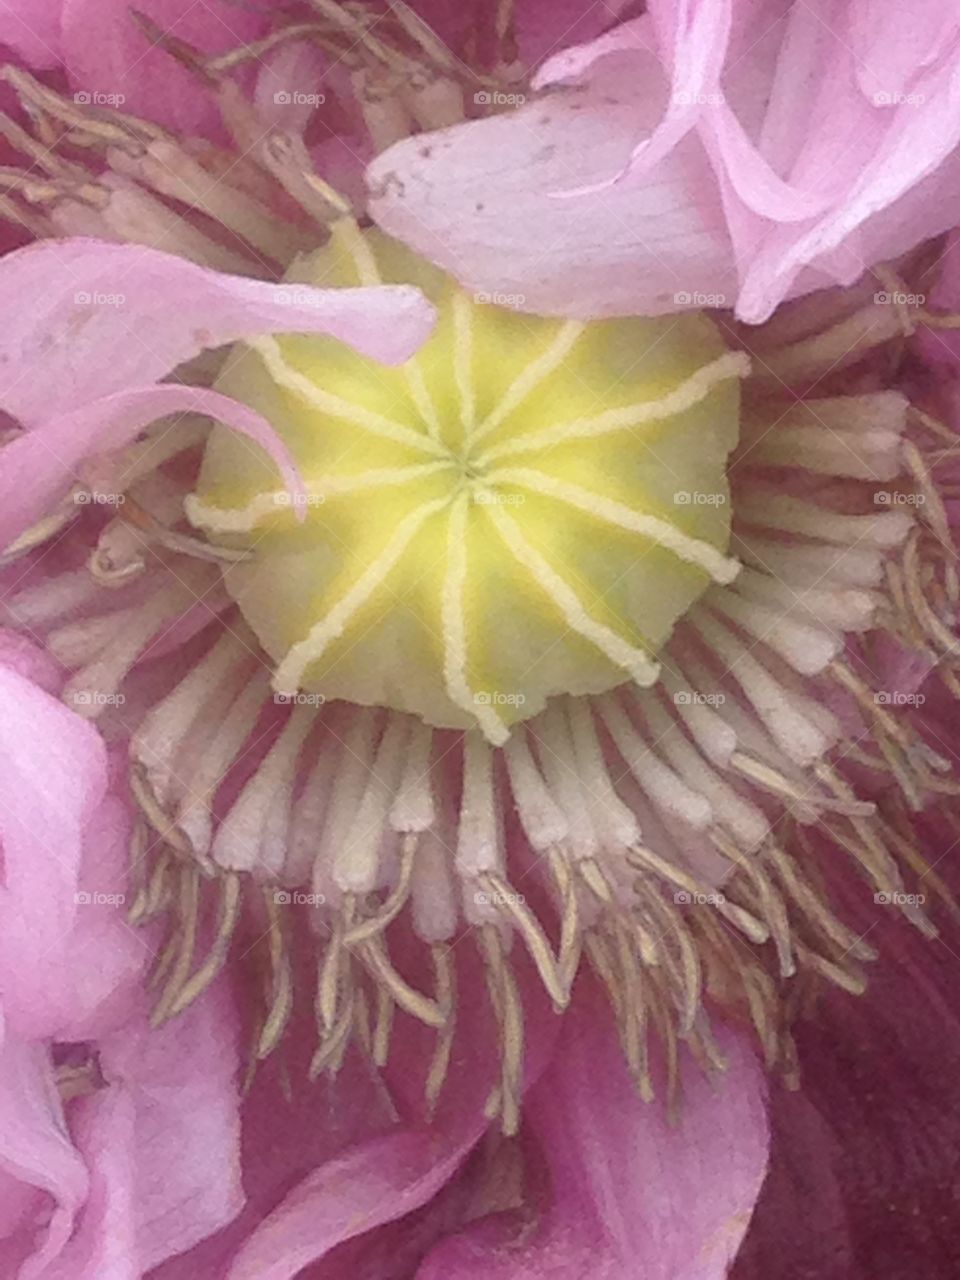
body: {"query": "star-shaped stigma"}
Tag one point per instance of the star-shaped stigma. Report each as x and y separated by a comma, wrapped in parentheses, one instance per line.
(524, 509)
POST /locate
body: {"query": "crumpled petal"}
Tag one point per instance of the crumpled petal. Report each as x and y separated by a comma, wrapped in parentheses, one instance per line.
(630, 1194)
(795, 199)
(151, 1164)
(36, 1151)
(87, 318)
(486, 201)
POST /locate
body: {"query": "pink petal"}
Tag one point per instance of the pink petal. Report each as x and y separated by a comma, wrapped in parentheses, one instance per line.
(161, 1142)
(35, 1148)
(481, 200)
(52, 776)
(864, 1159)
(32, 28)
(87, 318)
(105, 51)
(630, 1194)
(39, 466)
(93, 982)
(370, 1184)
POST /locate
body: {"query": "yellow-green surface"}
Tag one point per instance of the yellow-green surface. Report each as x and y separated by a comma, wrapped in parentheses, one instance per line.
(460, 573)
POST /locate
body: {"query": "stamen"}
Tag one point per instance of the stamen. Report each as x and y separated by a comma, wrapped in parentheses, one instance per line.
(504, 1101)
(280, 998)
(445, 972)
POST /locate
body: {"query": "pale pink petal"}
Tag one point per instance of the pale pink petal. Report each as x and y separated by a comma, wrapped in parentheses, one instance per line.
(912, 141)
(40, 465)
(87, 318)
(629, 1194)
(481, 199)
(52, 776)
(93, 982)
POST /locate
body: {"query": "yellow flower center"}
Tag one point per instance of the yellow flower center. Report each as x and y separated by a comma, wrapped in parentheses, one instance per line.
(523, 509)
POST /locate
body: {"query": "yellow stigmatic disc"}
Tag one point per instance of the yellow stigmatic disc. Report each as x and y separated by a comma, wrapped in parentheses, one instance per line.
(523, 509)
